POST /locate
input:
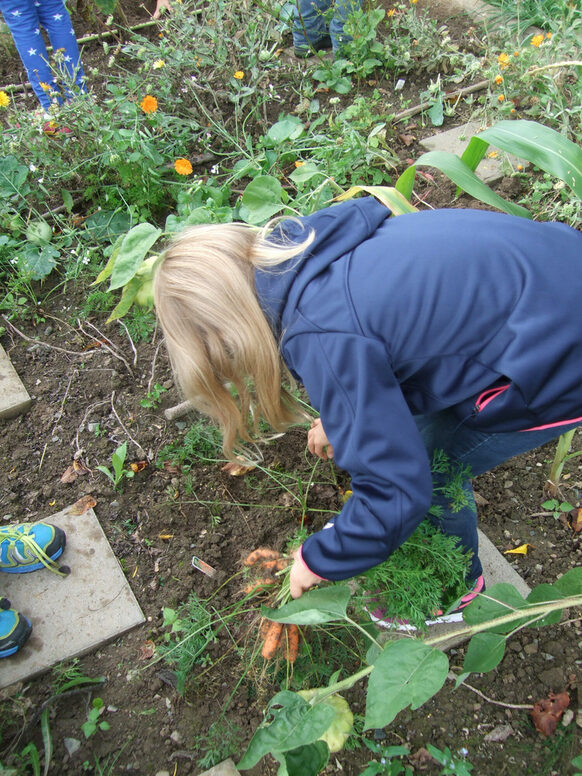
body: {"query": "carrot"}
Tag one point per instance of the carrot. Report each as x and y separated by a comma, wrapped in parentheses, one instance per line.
(277, 564)
(261, 553)
(272, 639)
(292, 643)
(259, 584)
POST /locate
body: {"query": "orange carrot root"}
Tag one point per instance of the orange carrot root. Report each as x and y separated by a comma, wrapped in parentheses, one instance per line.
(292, 643)
(272, 640)
(261, 554)
(259, 584)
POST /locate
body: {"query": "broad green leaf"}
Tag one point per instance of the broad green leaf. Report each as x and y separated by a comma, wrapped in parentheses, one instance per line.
(118, 458)
(305, 173)
(455, 169)
(128, 296)
(436, 114)
(67, 200)
(474, 152)
(542, 594)
(388, 196)
(132, 252)
(108, 224)
(405, 183)
(323, 604)
(36, 262)
(497, 601)
(288, 128)
(407, 673)
(485, 651)
(540, 145)
(570, 583)
(108, 268)
(262, 198)
(292, 723)
(308, 760)
(12, 176)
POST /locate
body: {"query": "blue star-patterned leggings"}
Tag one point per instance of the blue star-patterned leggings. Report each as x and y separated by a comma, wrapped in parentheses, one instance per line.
(25, 19)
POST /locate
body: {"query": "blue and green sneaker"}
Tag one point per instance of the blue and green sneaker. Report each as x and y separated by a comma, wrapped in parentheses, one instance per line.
(30, 546)
(14, 629)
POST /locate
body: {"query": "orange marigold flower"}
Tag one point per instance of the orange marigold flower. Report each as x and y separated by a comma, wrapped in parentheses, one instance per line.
(537, 40)
(503, 60)
(239, 75)
(149, 104)
(299, 164)
(501, 98)
(499, 79)
(520, 167)
(391, 12)
(183, 166)
(516, 53)
(548, 35)
(4, 100)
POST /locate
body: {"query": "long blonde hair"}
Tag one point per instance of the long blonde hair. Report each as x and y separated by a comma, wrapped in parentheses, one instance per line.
(217, 335)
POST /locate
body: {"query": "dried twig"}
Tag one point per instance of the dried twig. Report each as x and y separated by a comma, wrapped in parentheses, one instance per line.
(458, 93)
(172, 413)
(59, 415)
(129, 436)
(43, 344)
(130, 342)
(105, 343)
(82, 423)
(153, 372)
(498, 703)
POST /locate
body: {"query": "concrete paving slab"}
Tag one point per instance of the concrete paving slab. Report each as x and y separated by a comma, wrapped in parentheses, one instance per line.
(225, 768)
(455, 141)
(14, 398)
(74, 614)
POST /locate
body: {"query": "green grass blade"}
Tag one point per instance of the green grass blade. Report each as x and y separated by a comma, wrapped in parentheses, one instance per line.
(540, 145)
(47, 740)
(461, 174)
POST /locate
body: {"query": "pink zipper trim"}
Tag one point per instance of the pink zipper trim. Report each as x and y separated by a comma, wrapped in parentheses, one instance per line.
(553, 425)
(488, 396)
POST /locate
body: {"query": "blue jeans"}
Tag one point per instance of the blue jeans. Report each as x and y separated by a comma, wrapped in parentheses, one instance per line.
(24, 19)
(480, 451)
(311, 21)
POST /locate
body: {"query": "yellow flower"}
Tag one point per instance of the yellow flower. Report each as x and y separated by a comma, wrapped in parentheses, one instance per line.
(499, 79)
(520, 167)
(158, 64)
(537, 39)
(503, 61)
(239, 75)
(501, 98)
(391, 12)
(45, 87)
(299, 164)
(183, 167)
(516, 53)
(149, 104)
(414, 2)
(548, 35)
(4, 100)
(493, 155)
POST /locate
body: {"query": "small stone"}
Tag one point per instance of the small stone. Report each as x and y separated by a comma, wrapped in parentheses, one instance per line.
(163, 773)
(531, 649)
(177, 737)
(72, 745)
(508, 484)
(568, 717)
(500, 734)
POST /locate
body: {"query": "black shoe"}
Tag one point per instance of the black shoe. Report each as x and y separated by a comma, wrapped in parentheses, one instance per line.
(304, 52)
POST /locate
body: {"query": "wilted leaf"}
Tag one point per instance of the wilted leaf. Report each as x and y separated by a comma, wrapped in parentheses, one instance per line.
(147, 650)
(138, 466)
(83, 505)
(547, 713)
(576, 522)
(236, 469)
(407, 139)
(76, 469)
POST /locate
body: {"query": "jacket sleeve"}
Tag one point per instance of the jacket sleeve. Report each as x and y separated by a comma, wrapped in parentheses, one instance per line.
(350, 382)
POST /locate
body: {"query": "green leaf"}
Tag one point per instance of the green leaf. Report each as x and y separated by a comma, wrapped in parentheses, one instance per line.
(305, 173)
(405, 183)
(128, 296)
(107, 224)
(108, 268)
(461, 174)
(407, 673)
(293, 723)
(308, 760)
(570, 583)
(132, 252)
(387, 195)
(12, 176)
(485, 651)
(36, 262)
(323, 604)
(261, 199)
(541, 594)
(67, 200)
(474, 152)
(497, 601)
(288, 128)
(46, 740)
(436, 113)
(540, 145)
(118, 459)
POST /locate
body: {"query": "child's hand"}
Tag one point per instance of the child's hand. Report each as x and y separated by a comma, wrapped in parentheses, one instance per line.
(161, 5)
(301, 578)
(317, 441)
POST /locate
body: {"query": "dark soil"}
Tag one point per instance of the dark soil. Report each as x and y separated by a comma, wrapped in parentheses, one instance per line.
(168, 513)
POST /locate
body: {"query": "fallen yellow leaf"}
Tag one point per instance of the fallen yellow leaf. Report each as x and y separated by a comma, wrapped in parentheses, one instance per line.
(521, 550)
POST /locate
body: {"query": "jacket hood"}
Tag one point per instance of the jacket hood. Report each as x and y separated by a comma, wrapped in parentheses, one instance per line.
(337, 231)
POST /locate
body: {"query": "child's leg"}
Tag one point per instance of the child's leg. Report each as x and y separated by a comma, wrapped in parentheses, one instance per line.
(23, 22)
(55, 18)
(309, 25)
(342, 9)
(481, 452)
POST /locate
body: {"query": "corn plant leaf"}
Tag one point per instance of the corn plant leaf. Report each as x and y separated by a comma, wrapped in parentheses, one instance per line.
(393, 198)
(132, 252)
(290, 722)
(540, 145)
(262, 198)
(474, 152)
(461, 174)
(405, 182)
(324, 604)
(484, 653)
(406, 673)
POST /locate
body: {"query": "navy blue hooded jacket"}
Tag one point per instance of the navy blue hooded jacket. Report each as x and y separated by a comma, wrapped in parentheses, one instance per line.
(385, 318)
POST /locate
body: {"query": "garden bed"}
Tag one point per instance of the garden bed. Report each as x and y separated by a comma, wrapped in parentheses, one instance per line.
(96, 385)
